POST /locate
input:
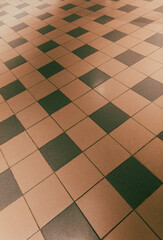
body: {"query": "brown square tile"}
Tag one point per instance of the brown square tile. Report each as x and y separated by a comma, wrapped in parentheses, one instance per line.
(33, 53)
(31, 171)
(74, 176)
(68, 60)
(147, 66)
(62, 78)
(158, 75)
(90, 102)
(31, 79)
(21, 101)
(128, 41)
(97, 58)
(130, 102)
(12, 216)
(57, 52)
(130, 77)
(5, 111)
(80, 68)
(94, 204)
(45, 203)
(31, 115)
(75, 89)
(3, 164)
(100, 43)
(151, 211)
(107, 154)
(159, 101)
(73, 44)
(157, 55)
(68, 116)
(37, 236)
(44, 131)
(142, 33)
(145, 48)
(23, 70)
(113, 50)
(131, 135)
(88, 37)
(151, 157)
(40, 61)
(18, 148)
(85, 133)
(42, 89)
(151, 117)
(127, 231)
(6, 78)
(111, 89)
(112, 67)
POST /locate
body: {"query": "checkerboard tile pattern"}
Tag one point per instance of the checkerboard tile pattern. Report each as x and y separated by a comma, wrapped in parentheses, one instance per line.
(81, 119)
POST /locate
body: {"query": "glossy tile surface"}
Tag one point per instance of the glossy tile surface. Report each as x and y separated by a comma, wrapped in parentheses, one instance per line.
(81, 119)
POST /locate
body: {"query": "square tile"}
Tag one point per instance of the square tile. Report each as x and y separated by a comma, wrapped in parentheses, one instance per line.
(94, 77)
(12, 89)
(150, 211)
(50, 69)
(3, 163)
(159, 9)
(60, 151)
(44, 131)
(12, 216)
(31, 115)
(104, 19)
(62, 78)
(141, 21)
(133, 181)
(18, 148)
(5, 111)
(147, 66)
(44, 193)
(68, 59)
(151, 117)
(114, 35)
(94, 204)
(80, 68)
(21, 15)
(97, 58)
(85, 133)
(10, 128)
(129, 57)
(46, 29)
(112, 67)
(17, 42)
(54, 101)
(157, 55)
(109, 117)
(95, 7)
(149, 88)
(132, 136)
(19, 27)
(45, 16)
(151, 157)
(77, 32)
(70, 222)
(71, 18)
(107, 154)
(139, 231)
(127, 8)
(90, 102)
(84, 51)
(156, 39)
(68, 6)
(31, 171)
(15, 62)
(47, 46)
(130, 102)
(31, 79)
(9, 189)
(74, 176)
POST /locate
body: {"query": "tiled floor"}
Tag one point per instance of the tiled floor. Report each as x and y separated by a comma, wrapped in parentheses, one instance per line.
(81, 116)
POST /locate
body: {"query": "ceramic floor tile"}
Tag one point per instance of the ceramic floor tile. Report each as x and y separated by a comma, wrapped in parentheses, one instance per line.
(3, 163)
(94, 204)
(12, 216)
(129, 57)
(45, 203)
(5, 111)
(156, 39)
(80, 68)
(112, 67)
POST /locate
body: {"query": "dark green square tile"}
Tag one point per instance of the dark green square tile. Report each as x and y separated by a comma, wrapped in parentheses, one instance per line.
(156, 39)
(133, 181)
(127, 8)
(114, 35)
(19, 27)
(104, 19)
(60, 151)
(94, 78)
(77, 32)
(129, 57)
(109, 117)
(54, 101)
(45, 47)
(149, 88)
(95, 7)
(50, 69)
(12, 89)
(15, 62)
(45, 16)
(68, 6)
(72, 18)
(160, 135)
(17, 42)
(141, 21)
(46, 29)
(84, 51)
(9, 189)
(69, 224)
(10, 128)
